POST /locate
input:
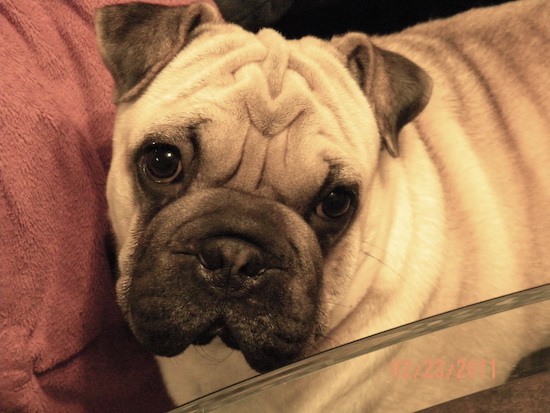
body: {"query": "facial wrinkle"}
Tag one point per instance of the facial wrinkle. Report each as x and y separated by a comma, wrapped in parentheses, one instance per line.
(276, 95)
(247, 175)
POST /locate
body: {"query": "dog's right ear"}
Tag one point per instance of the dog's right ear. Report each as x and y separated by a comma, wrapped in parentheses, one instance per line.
(137, 40)
(396, 87)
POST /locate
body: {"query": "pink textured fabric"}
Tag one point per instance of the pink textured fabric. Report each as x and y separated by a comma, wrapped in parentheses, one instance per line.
(63, 344)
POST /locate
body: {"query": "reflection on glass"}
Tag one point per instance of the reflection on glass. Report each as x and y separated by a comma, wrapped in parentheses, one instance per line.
(456, 371)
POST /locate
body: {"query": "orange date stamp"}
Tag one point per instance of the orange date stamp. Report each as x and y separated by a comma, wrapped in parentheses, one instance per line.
(439, 369)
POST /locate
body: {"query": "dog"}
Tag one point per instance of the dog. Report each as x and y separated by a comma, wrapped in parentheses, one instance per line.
(272, 199)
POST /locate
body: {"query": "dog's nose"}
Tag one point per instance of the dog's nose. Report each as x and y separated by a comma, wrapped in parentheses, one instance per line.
(230, 263)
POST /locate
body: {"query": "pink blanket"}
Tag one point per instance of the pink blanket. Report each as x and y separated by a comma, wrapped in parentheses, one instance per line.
(63, 344)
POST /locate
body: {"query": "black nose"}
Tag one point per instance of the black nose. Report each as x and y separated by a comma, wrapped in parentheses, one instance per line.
(231, 264)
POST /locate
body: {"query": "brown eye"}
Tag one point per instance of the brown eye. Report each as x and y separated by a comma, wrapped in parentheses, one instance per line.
(335, 205)
(162, 163)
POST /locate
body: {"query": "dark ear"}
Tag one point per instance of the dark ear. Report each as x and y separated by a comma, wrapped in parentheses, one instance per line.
(137, 40)
(397, 88)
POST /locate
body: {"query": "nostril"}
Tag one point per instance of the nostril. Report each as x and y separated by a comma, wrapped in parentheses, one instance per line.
(209, 263)
(252, 268)
(231, 257)
(211, 257)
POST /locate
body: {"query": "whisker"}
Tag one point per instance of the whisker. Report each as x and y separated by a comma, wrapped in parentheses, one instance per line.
(203, 352)
(334, 303)
(382, 262)
(376, 247)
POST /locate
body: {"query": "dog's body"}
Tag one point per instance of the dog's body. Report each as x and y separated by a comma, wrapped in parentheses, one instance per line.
(277, 138)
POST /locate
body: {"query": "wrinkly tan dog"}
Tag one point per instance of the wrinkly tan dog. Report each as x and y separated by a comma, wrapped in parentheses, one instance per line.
(284, 197)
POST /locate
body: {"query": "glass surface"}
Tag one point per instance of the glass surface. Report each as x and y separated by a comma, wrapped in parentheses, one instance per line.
(248, 395)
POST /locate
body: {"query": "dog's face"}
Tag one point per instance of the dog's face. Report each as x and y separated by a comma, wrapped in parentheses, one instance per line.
(240, 166)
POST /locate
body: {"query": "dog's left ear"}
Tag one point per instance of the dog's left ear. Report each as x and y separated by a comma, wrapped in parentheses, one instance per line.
(397, 88)
(137, 40)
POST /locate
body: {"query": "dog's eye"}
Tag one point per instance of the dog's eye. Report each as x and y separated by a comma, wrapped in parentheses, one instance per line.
(163, 163)
(335, 205)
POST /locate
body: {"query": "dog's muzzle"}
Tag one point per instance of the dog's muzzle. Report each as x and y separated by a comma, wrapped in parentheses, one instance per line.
(228, 264)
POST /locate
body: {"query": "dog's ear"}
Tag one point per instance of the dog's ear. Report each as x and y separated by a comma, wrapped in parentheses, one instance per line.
(397, 88)
(137, 40)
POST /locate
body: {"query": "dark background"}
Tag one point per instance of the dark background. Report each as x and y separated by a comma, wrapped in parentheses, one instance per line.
(325, 18)
(369, 16)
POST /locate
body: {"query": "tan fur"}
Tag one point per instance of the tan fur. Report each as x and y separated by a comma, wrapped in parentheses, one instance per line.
(460, 216)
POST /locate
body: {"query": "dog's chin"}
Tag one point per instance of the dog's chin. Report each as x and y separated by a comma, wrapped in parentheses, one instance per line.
(262, 351)
(260, 361)
(217, 329)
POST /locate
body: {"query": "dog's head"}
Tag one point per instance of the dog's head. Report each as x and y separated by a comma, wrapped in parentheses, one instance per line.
(240, 163)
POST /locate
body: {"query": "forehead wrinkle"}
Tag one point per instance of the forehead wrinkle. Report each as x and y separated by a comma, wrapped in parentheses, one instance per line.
(275, 62)
(248, 172)
(288, 84)
(274, 94)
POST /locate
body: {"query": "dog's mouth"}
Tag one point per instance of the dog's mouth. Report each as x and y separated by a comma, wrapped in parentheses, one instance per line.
(217, 329)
